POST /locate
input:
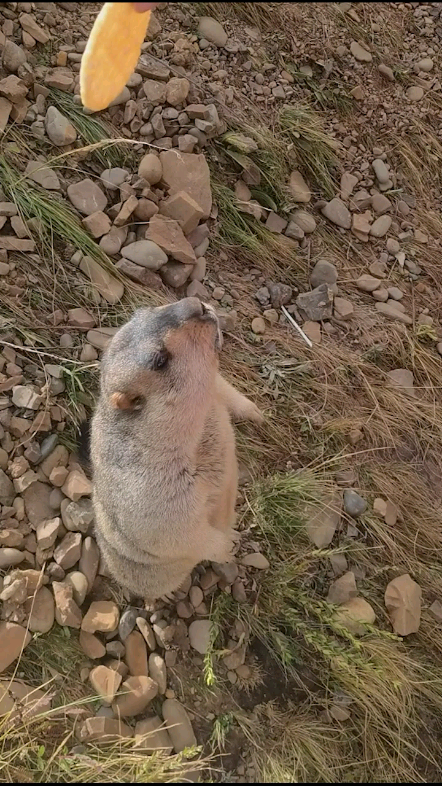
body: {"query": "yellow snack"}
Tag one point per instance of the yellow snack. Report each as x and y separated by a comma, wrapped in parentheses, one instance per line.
(111, 53)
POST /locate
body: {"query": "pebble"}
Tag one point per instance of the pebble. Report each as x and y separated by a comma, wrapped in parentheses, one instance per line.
(337, 213)
(353, 614)
(390, 309)
(354, 504)
(343, 589)
(158, 672)
(258, 325)
(102, 615)
(136, 654)
(368, 283)
(415, 93)
(127, 622)
(105, 682)
(255, 560)
(359, 53)
(323, 273)
(380, 226)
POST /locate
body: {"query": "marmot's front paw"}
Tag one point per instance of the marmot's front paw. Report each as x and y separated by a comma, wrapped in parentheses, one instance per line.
(255, 415)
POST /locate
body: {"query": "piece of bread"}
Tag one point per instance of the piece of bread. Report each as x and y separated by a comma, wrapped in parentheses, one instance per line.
(111, 53)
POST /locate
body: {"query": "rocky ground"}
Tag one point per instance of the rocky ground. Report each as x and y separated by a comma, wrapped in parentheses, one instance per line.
(281, 161)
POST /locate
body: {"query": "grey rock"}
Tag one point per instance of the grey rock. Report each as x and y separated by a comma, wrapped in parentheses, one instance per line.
(128, 621)
(317, 304)
(145, 253)
(58, 128)
(323, 273)
(354, 504)
(337, 213)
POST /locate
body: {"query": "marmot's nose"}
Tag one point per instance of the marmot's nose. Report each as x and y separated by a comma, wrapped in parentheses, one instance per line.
(189, 308)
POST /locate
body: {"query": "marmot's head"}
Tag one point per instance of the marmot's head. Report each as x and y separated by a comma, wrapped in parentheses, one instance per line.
(161, 354)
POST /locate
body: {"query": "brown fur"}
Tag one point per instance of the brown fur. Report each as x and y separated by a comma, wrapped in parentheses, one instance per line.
(163, 449)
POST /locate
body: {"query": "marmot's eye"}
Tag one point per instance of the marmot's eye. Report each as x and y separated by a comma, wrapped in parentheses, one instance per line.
(160, 360)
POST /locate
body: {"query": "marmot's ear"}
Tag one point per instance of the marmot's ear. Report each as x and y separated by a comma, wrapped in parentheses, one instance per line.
(125, 401)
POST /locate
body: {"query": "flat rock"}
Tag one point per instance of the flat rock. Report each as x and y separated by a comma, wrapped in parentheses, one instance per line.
(36, 499)
(42, 174)
(87, 197)
(77, 485)
(14, 639)
(105, 730)
(343, 308)
(68, 550)
(168, 235)
(390, 310)
(403, 379)
(158, 672)
(41, 609)
(175, 274)
(343, 589)
(403, 599)
(190, 173)
(66, 610)
(109, 287)
(182, 208)
(304, 220)
(91, 645)
(103, 615)
(337, 213)
(359, 53)
(7, 492)
(299, 188)
(380, 226)
(322, 520)
(178, 725)
(135, 695)
(348, 182)
(368, 283)
(105, 682)
(150, 735)
(145, 253)
(255, 560)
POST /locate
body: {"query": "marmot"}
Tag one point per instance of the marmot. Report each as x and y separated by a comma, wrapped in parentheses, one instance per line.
(163, 449)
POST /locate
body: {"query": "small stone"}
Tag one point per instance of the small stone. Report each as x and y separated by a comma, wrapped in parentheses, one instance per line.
(380, 203)
(199, 635)
(147, 633)
(91, 645)
(337, 213)
(179, 726)
(150, 168)
(98, 224)
(395, 293)
(255, 560)
(415, 93)
(66, 610)
(79, 584)
(258, 325)
(14, 638)
(343, 308)
(380, 170)
(403, 598)
(177, 90)
(136, 693)
(183, 209)
(387, 72)
(380, 507)
(127, 622)
(13, 56)
(436, 610)
(339, 563)
(113, 178)
(359, 53)
(343, 589)
(212, 31)
(78, 516)
(41, 610)
(47, 532)
(368, 283)
(354, 504)
(77, 485)
(169, 236)
(348, 182)
(339, 713)
(105, 682)
(68, 550)
(390, 310)
(354, 615)
(58, 128)
(136, 654)
(103, 615)
(299, 188)
(151, 736)
(89, 560)
(380, 226)
(196, 595)
(402, 379)
(323, 273)
(275, 223)
(304, 220)
(426, 64)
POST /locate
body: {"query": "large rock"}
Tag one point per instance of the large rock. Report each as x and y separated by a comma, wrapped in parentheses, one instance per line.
(169, 236)
(199, 635)
(41, 609)
(87, 197)
(145, 253)
(212, 31)
(403, 598)
(182, 208)
(175, 274)
(13, 639)
(190, 173)
(58, 128)
(40, 173)
(103, 615)
(337, 213)
(317, 304)
(13, 56)
(178, 725)
(136, 693)
(36, 499)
